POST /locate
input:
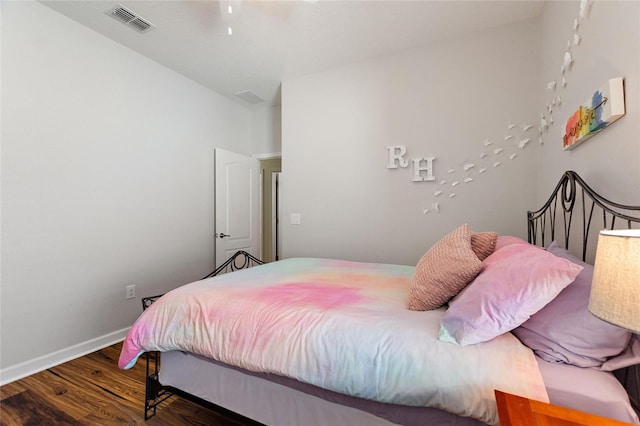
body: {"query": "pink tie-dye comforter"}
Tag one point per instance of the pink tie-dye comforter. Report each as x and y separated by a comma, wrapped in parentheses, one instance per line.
(339, 325)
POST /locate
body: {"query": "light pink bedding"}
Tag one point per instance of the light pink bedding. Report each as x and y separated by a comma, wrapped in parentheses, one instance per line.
(342, 326)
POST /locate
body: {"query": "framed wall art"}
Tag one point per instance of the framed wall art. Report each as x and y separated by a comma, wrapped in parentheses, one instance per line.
(605, 107)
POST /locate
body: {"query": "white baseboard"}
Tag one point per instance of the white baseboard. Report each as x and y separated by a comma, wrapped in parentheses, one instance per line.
(27, 368)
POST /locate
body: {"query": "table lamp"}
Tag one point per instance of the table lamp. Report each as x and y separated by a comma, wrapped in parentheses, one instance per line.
(615, 291)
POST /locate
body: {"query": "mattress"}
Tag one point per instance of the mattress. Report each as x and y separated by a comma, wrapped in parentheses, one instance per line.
(276, 400)
(586, 389)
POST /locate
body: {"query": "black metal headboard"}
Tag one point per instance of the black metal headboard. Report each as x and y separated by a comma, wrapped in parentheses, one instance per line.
(574, 203)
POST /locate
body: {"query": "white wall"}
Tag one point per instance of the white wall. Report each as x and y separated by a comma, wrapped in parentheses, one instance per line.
(442, 100)
(610, 47)
(266, 130)
(107, 180)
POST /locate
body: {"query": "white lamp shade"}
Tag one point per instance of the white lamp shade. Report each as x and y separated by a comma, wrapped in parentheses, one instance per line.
(615, 291)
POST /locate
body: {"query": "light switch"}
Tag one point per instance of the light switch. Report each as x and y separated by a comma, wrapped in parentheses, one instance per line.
(295, 218)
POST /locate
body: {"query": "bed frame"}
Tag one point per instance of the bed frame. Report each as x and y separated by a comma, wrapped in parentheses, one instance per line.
(593, 212)
(572, 203)
(156, 393)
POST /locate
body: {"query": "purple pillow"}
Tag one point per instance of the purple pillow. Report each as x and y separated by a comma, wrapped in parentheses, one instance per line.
(565, 331)
(516, 281)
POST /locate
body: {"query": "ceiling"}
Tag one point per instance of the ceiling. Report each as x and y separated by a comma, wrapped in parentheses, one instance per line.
(274, 40)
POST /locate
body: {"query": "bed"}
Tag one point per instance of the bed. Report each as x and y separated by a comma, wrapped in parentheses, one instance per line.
(327, 341)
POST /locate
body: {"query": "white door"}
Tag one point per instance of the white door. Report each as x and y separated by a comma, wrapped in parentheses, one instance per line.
(237, 205)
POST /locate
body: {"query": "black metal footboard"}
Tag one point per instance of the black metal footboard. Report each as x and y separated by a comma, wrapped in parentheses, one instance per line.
(155, 392)
(240, 260)
(171, 391)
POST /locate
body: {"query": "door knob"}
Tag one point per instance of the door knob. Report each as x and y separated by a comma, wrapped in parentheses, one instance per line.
(222, 235)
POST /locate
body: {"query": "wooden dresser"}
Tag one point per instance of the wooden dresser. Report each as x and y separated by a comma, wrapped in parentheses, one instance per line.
(519, 411)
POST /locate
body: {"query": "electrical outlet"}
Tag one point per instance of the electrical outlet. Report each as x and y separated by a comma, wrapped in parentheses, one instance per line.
(130, 291)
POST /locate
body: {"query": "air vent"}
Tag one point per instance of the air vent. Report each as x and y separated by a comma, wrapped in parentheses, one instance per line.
(250, 97)
(122, 14)
(140, 25)
(129, 18)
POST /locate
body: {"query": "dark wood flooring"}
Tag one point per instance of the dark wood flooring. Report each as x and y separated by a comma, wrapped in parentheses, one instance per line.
(91, 390)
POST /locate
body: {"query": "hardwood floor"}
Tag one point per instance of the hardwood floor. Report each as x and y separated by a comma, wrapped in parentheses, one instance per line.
(91, 390)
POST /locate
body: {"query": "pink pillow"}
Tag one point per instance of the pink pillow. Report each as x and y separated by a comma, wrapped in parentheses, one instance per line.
(444, 270)
(516, 281)
(506, 240)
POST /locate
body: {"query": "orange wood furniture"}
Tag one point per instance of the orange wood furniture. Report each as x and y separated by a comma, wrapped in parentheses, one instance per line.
(519, 411)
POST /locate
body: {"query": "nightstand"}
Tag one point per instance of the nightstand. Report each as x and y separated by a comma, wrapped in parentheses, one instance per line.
(519, 411)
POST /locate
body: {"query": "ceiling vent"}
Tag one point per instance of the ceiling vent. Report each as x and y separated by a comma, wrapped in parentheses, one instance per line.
(129, 18)
(250, 97)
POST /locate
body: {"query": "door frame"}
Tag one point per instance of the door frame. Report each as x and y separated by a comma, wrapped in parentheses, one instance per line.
(268, 254)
